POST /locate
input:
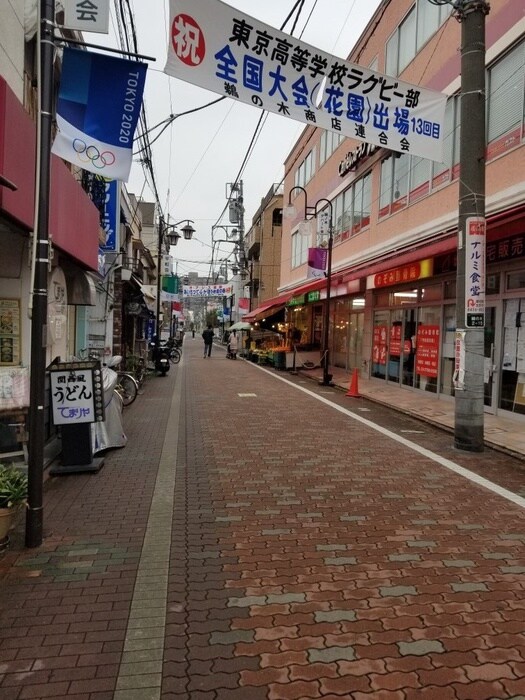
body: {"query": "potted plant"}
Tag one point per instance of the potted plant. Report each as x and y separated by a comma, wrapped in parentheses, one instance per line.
(13, 493)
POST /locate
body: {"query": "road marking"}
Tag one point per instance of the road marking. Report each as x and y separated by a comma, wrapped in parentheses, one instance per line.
(443, 461)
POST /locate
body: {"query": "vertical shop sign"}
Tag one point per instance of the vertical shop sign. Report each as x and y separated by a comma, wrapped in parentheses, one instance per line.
(475, 272)
(395, 340)
(111, 218)
(427, 351)
(459, 361)
(9, 332)
(379, 345)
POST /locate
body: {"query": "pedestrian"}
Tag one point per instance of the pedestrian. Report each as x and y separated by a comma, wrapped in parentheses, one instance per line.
(233, 345)
(207, 335)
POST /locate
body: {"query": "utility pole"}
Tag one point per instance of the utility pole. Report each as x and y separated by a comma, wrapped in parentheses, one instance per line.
(36, 415)
(470, 281)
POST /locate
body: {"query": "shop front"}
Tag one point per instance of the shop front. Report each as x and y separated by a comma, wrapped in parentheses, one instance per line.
(414, 325)
(305, 321)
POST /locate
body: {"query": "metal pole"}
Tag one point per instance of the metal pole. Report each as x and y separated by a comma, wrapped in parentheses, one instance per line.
(469, 396)
(327, 379)
(36, 416)
(159, 280)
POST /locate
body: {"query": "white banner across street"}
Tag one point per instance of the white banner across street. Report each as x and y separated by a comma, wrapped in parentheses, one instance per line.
(219, 48)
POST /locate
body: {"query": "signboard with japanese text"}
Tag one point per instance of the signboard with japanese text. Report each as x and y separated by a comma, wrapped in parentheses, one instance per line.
(459, 361)
(76, 393)
(219, 48)
(379, 345)
(9, 332)
(475, 235)
(427, 350)
(207, 290)
(111, 218)
(419, 269)
(395, 342)
(87, 15)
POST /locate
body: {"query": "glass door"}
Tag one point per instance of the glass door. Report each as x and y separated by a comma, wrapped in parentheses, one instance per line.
(492, 356)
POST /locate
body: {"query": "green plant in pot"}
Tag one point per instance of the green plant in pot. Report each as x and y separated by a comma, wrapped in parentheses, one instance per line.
(13, 493)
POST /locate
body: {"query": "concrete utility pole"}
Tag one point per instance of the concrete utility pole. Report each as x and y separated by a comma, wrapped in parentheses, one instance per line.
(470, 291)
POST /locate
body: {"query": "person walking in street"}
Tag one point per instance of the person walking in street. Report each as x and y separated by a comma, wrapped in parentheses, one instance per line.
(207, 335)
(233, 345)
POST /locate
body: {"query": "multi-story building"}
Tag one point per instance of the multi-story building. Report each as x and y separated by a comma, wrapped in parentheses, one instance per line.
(393, 285)
(74, 221)
(263, 248)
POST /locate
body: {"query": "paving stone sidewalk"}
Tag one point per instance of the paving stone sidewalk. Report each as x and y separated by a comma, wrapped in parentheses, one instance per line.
(253, 543)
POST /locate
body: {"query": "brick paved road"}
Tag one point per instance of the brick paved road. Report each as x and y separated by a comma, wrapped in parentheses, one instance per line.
(290, 552)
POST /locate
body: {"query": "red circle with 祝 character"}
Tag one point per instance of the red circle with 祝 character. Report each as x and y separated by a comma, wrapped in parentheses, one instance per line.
(187, 40)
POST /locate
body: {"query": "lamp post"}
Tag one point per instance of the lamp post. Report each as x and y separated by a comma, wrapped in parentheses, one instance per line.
(168, 234)
(310, 213)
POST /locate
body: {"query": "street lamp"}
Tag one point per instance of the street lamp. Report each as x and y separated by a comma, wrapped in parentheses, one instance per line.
(310, 213)
(168, 236)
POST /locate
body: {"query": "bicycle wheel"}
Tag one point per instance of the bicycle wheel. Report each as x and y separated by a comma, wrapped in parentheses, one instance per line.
(127, 388)
(175, 356)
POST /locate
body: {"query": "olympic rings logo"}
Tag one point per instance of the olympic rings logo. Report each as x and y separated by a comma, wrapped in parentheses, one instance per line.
(91, 153)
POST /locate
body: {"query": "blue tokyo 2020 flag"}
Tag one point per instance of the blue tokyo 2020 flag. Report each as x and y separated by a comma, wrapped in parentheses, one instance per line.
(99, 104)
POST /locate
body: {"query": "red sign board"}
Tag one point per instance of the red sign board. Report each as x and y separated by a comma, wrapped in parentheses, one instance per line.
(407, 273)
(427, 351)
(379, 345)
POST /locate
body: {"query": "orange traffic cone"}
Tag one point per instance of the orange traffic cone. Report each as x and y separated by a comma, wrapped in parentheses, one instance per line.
(352, 389)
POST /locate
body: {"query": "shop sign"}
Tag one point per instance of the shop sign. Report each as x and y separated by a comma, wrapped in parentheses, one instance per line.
(407, 273)
(506, 249)
(379, 345)
(9, 332)
(475, 271)
(351, 160)
(459, 361)
(207, 290)
(296, 301)
(313, 296)
(427, 351)
(76, 393)
(87, 15)
(395, 342)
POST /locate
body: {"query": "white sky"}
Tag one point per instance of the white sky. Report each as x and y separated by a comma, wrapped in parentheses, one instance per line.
(199, 154)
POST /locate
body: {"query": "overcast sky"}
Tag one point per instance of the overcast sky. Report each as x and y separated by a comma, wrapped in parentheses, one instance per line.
(199, 154)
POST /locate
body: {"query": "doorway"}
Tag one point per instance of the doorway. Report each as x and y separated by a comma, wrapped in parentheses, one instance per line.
(492, 356)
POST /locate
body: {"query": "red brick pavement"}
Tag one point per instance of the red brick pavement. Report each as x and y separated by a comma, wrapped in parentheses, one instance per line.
(311, 557)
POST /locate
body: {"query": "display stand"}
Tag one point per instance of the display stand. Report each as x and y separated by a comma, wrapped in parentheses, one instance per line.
(77, 401)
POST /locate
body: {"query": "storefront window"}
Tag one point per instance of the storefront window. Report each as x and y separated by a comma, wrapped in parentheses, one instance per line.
(340, 337)
(348, 322)
(512, 361)
(380, 343)
(427, 349)
(448, 350)
(516, 280)
(298, 318)
(431, 293)
(405, 297)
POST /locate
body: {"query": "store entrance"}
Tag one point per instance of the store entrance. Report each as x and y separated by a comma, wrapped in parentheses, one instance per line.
(492, 356)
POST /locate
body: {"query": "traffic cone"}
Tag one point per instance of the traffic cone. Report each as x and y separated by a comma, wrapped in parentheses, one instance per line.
(352, 389)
